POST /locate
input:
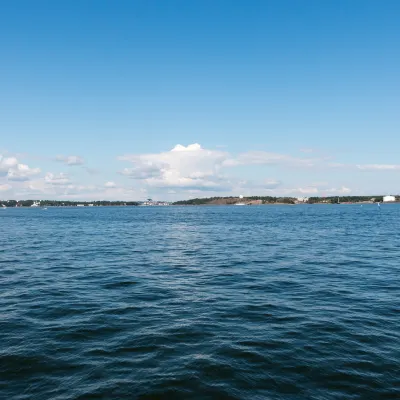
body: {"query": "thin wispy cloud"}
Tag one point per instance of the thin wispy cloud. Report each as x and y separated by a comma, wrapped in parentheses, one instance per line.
(110, 185)
(70, 160)
(308, 150)
(91, 171)
(57, 179)
(379, 167)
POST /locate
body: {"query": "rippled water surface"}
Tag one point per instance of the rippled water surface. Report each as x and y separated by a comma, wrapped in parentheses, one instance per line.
(261, 302)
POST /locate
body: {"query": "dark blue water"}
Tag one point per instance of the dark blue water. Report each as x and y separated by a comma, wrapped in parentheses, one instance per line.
(262, 302)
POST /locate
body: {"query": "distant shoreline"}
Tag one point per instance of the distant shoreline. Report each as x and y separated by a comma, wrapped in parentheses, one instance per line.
(285, 204)
(209, 201)
(206, 205)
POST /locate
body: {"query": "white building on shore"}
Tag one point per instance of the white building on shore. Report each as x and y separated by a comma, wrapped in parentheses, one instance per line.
(387, 199)
(302, 199)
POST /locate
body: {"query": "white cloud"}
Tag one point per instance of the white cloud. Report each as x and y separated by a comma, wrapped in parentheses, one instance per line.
(21, 172)
(6, 163)
(143, 170)
(366, 167)
(59, 187)
(15, 171)
(267, 158)
(187, 167)
(70, 160)
(378, 167)
(57, 179)
(193, 167)
(110, 185)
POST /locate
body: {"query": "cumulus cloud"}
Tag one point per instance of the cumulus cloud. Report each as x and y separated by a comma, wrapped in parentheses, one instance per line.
(6, 163)
(193, 167)
(15, 171)
(22, 172)
(70, 160)
(188, 167)
(57, 179)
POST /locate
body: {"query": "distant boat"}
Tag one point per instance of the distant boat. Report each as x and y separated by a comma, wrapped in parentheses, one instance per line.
(240, 203)
(3, 207)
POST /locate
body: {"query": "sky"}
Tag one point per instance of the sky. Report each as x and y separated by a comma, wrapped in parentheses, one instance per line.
(169, 99)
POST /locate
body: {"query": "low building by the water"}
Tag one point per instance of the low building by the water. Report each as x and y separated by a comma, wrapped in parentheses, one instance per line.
(151, 202)
(302, 200)
(387, 199)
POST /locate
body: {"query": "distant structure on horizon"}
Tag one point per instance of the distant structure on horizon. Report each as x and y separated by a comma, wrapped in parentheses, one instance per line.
(151, 202)
(240, 202)
(388, 198)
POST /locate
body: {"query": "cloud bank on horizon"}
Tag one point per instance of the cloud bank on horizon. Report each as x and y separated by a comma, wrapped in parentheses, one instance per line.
(183, 172)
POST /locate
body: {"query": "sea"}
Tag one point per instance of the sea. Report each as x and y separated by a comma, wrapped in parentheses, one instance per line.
(200, 302)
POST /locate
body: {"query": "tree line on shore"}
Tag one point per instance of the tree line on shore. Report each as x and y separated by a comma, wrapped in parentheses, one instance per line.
(347, 199)
(58, 203)
(233, 200)
(282, 200)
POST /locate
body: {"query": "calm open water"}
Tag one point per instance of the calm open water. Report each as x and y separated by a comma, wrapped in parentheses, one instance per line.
(262, 302)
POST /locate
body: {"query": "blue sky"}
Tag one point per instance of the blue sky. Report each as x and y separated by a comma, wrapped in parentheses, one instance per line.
(264, 97)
